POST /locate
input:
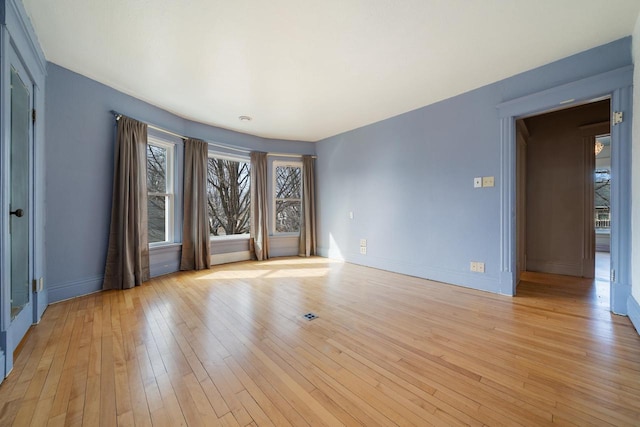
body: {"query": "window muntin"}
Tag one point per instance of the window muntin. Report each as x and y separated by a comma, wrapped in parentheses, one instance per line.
(160, 194)
(287, 190)
(228, 196)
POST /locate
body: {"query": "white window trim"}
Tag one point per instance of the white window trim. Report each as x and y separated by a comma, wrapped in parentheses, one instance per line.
(276, 164)
(239, 159)
(169, 225)
(224, 156)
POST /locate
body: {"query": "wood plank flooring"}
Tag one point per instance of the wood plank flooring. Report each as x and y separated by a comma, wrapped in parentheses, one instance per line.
(230, 347)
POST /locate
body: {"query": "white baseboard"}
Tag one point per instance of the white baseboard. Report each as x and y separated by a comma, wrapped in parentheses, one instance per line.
(230, 257)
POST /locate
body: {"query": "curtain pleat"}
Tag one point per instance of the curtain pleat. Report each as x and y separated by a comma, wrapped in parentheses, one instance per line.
(259, 206)
(195, 228)
(307, 246)
(127, 262)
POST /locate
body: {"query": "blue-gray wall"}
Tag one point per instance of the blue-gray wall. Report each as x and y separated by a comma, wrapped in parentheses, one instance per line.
(409, 180)
(79, 171)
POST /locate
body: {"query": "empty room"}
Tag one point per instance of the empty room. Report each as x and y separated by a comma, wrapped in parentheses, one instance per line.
(298, 213)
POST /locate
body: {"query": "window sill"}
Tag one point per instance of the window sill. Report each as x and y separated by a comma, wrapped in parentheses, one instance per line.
(285, 236)
(229, 238)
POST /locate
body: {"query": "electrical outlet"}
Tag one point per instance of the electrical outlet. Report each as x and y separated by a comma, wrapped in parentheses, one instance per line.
(351, 215)
(487, 181)
(363, 242)
(477, 182)
(363, 250)
(477, 267)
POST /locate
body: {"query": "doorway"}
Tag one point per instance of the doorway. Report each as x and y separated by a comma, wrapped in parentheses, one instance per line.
(561, 192)
(617, 85)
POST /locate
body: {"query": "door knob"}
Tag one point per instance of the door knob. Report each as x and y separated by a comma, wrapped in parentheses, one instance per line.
(18, 212)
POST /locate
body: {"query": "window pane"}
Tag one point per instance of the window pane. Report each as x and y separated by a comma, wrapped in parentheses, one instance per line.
(156, 216)
(287, 216)
(228, 197)
(602, 198)
(288, 179)
(156, 169)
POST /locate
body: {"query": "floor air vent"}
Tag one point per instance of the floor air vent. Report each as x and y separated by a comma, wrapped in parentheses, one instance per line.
(310, 316)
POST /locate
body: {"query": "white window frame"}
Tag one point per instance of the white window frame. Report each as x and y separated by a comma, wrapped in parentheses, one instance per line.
(275, 166)
(169, 220)
(239, 159)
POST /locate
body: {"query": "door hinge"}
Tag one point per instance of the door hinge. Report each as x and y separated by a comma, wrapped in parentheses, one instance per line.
(33, 115)
(34, 285)
(617, 118)
(613, 275)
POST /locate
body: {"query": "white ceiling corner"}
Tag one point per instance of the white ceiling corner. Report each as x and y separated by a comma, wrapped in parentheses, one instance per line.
(308, 70)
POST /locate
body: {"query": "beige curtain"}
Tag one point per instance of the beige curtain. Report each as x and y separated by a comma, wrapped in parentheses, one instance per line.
(259, 206)
(128, 252)
(307, 246)
(195, 226)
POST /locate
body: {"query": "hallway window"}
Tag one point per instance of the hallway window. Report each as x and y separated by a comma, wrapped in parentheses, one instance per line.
(602, 184)
(602, 198)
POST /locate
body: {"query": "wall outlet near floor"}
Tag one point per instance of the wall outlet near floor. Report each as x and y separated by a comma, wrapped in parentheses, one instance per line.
(363, 242)
(477, 182)
(363, 250)
(477, 267)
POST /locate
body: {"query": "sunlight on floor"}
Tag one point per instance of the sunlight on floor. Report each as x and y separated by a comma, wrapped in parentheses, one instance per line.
(305, 272)
(272, 269)
(235, 274)
(270, 274)
(298, 261)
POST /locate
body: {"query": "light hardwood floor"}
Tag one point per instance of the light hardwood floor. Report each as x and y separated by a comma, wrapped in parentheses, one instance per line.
(230, 347)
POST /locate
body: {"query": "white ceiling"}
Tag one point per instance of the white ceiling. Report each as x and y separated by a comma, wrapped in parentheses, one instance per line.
(306, 70)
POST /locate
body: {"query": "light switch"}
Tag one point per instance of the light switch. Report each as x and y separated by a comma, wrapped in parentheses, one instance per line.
(351, 215)
(487, 181)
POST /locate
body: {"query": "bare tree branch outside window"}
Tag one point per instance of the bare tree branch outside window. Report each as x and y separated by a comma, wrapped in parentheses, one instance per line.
(602, 198)
(288, 191)
(602, 187)
(228, 197)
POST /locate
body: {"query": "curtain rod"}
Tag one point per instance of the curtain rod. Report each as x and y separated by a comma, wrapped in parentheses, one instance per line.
(226, 147)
